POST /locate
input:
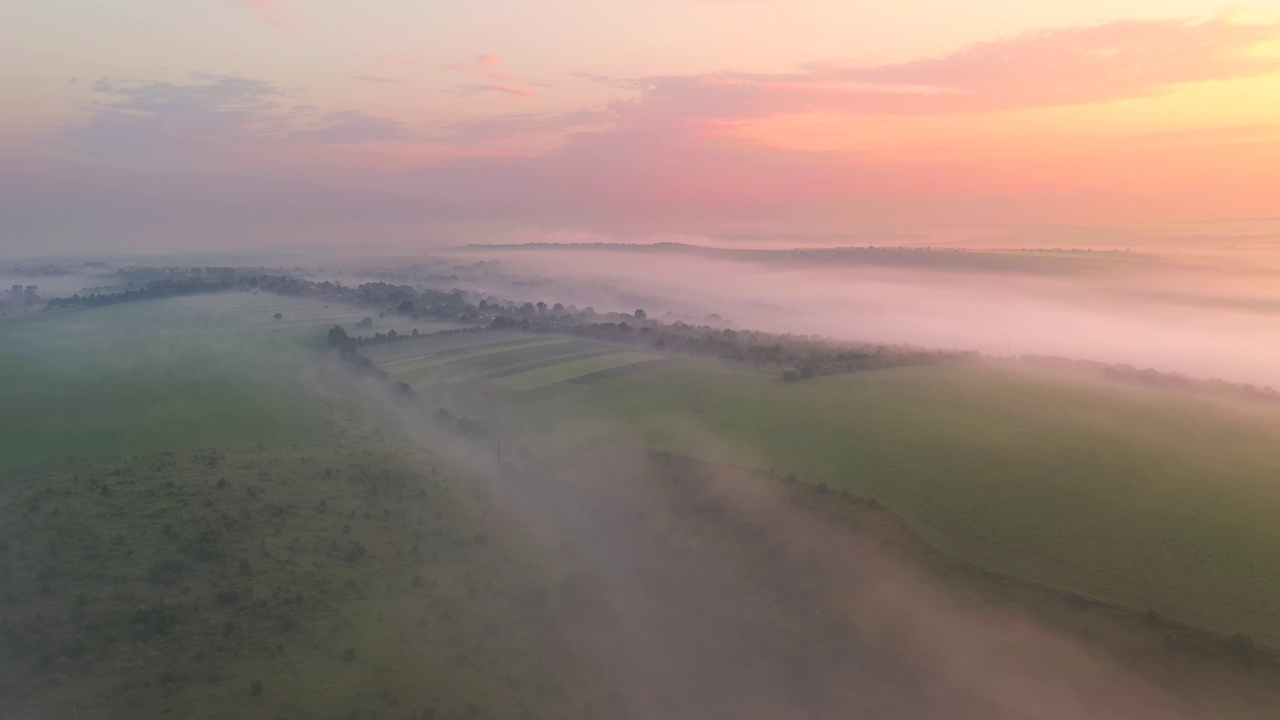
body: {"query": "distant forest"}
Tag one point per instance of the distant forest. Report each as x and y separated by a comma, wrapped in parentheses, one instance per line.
(796, 357)
(1154, 378)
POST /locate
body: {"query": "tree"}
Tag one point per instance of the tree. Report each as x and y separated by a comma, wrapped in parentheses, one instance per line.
(405, 308)
(278, 316)
(364, 323)
(338, 337)
(640, 314)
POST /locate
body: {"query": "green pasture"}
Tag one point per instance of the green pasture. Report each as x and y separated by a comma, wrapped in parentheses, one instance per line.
(84, 385)
(1140, 497)
(565, 371)
(514, 361)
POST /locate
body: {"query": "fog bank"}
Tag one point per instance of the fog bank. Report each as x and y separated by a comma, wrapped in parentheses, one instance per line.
(1207, 315)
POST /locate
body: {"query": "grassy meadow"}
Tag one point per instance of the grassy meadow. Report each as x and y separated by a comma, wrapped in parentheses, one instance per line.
(277, 582)
(203, 516)
(1148, 499)
(198, 521)
(142, 378)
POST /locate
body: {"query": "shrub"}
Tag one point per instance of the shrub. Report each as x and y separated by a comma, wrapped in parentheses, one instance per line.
(1240, 645)
(356, 551)
(255, 687)
(349, 654)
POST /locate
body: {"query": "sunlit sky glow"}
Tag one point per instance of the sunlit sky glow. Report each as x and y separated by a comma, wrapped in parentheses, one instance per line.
(162, 124)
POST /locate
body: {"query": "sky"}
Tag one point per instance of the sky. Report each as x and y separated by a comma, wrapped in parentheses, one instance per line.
(181, 125)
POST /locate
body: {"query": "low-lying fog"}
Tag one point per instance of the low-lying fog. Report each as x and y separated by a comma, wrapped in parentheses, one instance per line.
(1204, 315)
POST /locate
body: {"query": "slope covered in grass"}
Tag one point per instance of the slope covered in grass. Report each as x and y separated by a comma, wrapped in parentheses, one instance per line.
(1145, 498)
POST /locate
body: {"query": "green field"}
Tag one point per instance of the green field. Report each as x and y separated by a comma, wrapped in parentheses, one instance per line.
(197, 521)
(1143, 498)
(116, 523)
(513, 361)
(140, 378)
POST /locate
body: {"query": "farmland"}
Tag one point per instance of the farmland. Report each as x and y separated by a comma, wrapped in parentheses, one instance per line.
(405, 551)
(196, 521)
(513, 361)
(140, 379)
(1138, 497)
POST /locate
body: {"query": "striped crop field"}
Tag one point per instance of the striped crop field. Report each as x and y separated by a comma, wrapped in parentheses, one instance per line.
(513, 361)
(571, 370)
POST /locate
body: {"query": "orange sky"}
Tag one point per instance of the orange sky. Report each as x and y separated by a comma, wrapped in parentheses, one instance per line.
(282, 121)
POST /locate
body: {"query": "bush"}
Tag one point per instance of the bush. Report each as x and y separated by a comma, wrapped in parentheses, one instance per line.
(255, 687)
(349, 654)
(1240, 645)
(356, 551)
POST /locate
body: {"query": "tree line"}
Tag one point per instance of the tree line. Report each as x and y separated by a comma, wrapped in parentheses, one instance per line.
(796, 357)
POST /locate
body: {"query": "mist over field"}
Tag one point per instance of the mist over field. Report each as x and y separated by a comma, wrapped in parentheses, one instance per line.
(1205, 314)
(712, 592)
(648, 360)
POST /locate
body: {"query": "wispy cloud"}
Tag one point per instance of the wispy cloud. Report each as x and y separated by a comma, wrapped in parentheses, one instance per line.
(276, 12)
(1207, 134)
(1048, 68)
(486, 64)
(497, 88)
(210, 111)
(664, 149)
(398, 59)
(138, 117)
(660, 152)
(379, 79)
(489, 66)
(350, 127)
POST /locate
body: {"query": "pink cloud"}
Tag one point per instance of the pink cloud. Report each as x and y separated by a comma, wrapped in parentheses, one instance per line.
(378, 79)
(1057, 67)
(663, 152)
(488, 66)
(276, 12)
(1048, 68)
(1205, 135)
(398, 59)
(662, 156)
(498, 88)
(485, 65)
